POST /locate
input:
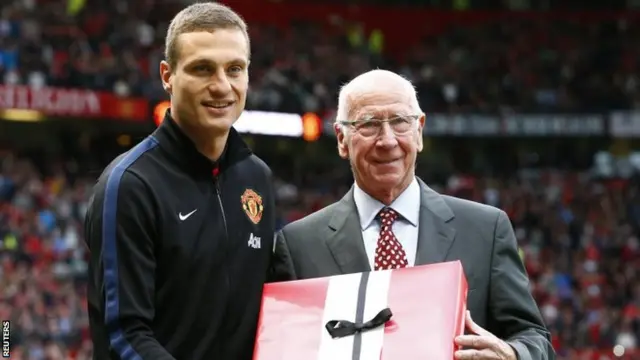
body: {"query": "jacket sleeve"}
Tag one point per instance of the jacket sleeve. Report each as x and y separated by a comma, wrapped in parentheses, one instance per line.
(282, 268)
(514, 315)
(121, 230)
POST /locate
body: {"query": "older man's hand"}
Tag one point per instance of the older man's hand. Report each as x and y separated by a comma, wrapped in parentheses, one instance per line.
(483, 345)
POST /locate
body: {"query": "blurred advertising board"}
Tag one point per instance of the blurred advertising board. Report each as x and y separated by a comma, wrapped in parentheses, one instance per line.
(525, 125)
(269, 123)
(77, 103)
(22, 103)
(516, 125)
(625, 124)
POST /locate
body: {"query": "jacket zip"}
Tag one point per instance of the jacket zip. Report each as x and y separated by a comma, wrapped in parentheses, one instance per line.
(224, 218)
(224, 222)
(227, 241)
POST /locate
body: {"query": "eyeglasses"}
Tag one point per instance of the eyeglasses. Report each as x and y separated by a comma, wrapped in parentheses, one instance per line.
(400, 125)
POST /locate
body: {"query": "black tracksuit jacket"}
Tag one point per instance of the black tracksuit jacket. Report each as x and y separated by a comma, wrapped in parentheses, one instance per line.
(180, 249)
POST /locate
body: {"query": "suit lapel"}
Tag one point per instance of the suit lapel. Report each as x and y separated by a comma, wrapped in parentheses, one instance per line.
(435, 236)
(346, 244)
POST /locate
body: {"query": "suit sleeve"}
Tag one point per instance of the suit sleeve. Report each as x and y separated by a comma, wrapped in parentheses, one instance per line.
(515, 317)
(282, 268)
(120, 227)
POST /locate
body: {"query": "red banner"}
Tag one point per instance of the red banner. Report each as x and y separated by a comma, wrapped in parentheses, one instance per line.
(73, 103)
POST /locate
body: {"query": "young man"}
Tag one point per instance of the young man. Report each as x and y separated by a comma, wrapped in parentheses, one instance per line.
(181, 227)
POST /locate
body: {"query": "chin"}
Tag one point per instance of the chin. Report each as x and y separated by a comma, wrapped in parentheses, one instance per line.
(218, 123)
(388, 179)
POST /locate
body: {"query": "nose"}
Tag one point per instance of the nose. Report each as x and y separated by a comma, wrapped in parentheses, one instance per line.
(219, 84)
(387, 138)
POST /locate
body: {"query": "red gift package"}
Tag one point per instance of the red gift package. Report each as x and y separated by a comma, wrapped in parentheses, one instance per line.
(411, 313)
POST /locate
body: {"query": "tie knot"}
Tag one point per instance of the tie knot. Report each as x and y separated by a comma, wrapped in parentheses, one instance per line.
(387, 216)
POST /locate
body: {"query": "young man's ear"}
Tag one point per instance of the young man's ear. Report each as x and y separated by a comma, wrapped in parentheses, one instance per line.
(166, 75)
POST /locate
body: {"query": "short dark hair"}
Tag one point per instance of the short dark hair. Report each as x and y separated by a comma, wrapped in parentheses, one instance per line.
(205, 16)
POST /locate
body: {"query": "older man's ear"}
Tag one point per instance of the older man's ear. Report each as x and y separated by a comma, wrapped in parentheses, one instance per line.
(420, 139)
(343, 150)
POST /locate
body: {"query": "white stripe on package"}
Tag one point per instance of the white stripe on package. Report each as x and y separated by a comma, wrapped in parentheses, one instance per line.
(340, 304)
(377, 299)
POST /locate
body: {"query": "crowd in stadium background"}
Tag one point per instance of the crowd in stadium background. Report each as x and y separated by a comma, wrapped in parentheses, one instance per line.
(577, 228)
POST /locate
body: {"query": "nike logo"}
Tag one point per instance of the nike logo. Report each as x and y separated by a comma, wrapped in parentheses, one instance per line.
(184, 217)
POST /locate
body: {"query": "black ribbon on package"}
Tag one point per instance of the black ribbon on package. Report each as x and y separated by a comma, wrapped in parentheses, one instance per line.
(342, 328)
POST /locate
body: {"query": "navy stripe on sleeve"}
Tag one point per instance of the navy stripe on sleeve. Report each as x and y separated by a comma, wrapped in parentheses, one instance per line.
(110, 252)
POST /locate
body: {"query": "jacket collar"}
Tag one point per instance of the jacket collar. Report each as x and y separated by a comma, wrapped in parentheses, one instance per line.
(181, 149)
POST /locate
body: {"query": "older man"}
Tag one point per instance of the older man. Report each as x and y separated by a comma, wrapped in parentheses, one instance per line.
(379, 130)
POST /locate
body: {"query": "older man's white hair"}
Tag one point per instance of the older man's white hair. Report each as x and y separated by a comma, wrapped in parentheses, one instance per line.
(371, 81)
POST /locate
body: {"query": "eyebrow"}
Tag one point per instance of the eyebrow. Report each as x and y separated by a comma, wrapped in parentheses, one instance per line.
(236, 61)
(389, 115)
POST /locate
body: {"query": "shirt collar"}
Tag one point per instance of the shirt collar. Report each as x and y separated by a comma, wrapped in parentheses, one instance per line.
(407, 204)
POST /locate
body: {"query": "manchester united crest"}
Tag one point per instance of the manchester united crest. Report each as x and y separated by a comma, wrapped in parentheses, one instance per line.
(252, 205)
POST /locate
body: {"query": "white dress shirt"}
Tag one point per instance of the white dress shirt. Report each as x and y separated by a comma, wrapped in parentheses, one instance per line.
(405, 227)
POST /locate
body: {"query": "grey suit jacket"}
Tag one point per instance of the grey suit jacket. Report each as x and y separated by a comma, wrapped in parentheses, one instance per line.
(329, 242)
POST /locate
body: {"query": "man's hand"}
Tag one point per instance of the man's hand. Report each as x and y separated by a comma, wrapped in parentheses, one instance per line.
(483, 345)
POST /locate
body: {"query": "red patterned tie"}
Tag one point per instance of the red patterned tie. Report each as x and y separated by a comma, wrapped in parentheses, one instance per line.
(389, 253)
